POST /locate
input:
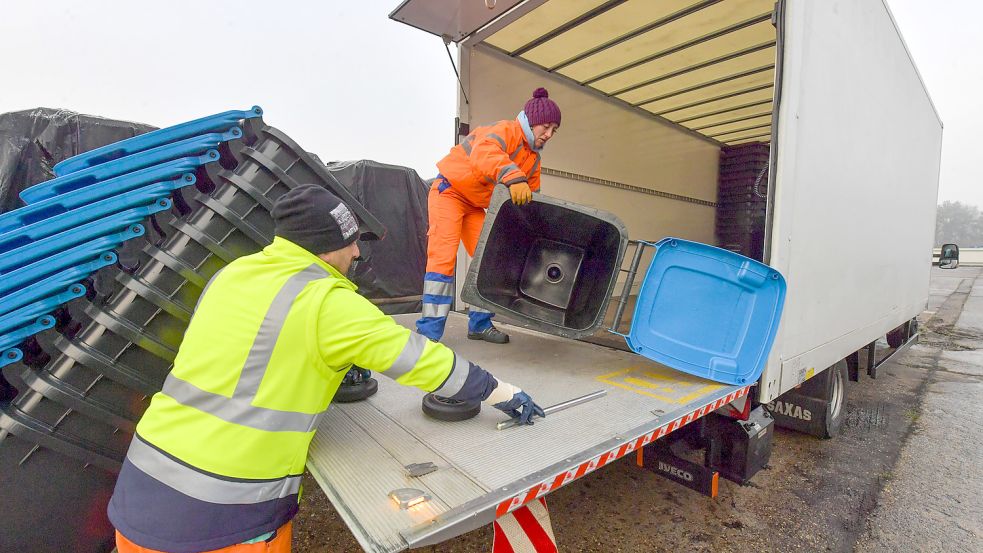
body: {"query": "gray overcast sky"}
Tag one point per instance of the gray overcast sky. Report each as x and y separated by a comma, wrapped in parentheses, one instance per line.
(344, 80)
(337, 76)
(944, 39)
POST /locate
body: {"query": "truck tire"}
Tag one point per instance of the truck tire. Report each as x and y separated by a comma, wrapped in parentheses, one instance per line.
(836, 400)
(349, 393)
(898, 336)
(451, 410)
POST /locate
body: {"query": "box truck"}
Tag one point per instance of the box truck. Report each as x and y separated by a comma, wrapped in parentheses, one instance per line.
(799, 133)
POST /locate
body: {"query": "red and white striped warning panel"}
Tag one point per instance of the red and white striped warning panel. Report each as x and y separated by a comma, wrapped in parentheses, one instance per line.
(739, 409)
(525, 530)
(562, 479)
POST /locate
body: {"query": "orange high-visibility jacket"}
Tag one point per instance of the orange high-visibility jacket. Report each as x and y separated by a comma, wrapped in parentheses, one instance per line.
(496, 154)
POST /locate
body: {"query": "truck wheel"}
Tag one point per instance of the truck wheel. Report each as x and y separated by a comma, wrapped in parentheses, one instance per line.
(451, 410)
(897, 336)
(836, 400)
(357, 391)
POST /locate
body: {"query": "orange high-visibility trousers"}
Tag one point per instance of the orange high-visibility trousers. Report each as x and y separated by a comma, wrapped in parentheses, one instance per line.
(279, 544)
(452, 220)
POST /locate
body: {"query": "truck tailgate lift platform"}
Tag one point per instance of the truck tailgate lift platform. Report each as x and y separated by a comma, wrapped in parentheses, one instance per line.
(360, 450)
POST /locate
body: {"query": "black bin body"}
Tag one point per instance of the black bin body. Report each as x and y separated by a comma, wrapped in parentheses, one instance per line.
(551, 264)
(52, 503)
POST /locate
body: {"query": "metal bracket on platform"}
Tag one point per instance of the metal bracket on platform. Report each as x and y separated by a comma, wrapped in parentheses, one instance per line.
(419, 469)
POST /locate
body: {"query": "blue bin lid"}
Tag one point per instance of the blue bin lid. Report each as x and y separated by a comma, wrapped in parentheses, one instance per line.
(62, 202)
(97, 173)
(150, 140)
(23, 253)
(51, 284)
(19, 335)
(82, 253)
(10, 356)
(74, 218)
(26, 314)
(707, 312)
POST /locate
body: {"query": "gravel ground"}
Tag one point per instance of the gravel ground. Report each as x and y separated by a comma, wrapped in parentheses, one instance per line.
(935, 503)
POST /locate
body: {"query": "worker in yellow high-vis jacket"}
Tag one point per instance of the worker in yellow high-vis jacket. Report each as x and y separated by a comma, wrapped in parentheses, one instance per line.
(217, 459)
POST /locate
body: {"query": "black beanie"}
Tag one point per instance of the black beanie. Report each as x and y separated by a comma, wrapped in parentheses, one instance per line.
(314, 219)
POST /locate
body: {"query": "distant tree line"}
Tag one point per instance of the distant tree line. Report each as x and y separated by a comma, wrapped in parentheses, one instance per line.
(960, 224)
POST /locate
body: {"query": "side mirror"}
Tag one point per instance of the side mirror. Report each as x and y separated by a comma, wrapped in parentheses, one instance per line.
(949, 256)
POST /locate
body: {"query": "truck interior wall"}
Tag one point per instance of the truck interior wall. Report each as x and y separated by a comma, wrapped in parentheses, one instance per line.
(857, 182)
(599, 138)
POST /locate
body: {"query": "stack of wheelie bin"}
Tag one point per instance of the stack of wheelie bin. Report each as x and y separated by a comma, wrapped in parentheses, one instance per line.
(85, 364)
(742, 195)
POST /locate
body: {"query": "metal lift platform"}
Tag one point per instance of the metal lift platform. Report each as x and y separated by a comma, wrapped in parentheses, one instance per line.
(361, 450)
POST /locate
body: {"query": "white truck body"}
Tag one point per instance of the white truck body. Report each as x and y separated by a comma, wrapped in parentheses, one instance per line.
(855, 151)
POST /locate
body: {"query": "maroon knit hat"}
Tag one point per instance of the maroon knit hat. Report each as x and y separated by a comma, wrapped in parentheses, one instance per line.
(540, 110)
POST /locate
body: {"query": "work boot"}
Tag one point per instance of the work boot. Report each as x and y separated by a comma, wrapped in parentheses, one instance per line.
(490, 334)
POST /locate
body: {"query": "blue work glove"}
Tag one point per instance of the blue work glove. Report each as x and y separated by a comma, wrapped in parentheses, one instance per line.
(521, 407)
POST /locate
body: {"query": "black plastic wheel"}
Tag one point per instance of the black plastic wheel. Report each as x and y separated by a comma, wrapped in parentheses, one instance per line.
(451, 410)
(363, 389)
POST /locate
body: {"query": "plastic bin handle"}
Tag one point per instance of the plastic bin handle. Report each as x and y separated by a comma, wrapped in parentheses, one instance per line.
(632, 270)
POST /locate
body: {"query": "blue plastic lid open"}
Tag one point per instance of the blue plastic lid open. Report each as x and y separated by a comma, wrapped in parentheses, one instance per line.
(707, 312)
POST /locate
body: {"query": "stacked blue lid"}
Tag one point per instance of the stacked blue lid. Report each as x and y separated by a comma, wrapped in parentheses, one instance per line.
(73, 223)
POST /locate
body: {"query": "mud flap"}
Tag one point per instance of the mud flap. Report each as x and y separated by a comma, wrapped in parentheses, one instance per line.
(659, 458)
(810, 408)
(800, 413)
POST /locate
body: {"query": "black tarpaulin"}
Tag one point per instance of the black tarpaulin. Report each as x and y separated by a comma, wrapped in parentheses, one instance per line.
(392, 271)
(33, 141)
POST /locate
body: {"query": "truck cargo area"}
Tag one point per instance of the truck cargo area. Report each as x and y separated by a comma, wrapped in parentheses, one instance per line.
(745, 124)
(360, 450)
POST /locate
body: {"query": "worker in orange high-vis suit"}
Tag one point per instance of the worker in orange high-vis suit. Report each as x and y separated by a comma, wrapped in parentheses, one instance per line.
(505, 153)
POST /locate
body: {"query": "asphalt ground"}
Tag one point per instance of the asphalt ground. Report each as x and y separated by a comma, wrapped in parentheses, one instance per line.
(906, 474)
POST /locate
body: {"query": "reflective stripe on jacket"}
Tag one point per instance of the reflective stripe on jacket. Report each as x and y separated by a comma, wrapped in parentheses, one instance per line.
(496, 154)
(226, 438)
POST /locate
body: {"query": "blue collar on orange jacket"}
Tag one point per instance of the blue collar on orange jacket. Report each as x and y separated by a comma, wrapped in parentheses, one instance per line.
(527, 130)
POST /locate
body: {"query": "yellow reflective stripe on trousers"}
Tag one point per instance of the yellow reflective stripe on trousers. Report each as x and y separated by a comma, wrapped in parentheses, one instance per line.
(436, 309)
(435, 288)
(204, 486)
(239, 409)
